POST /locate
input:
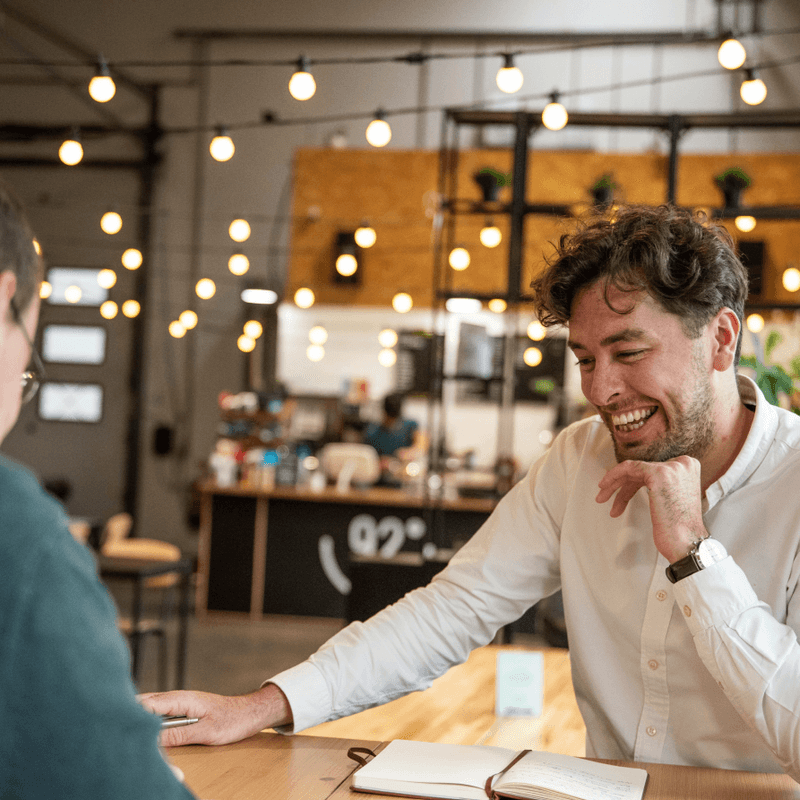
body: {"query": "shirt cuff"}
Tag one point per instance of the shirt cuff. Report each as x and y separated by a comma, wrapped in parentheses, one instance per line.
(714, 595)
(308, 696)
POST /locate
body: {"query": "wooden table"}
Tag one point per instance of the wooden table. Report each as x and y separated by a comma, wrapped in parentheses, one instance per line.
(269, 766)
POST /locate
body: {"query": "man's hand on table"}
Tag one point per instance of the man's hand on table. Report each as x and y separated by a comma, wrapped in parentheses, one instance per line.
(222, 719)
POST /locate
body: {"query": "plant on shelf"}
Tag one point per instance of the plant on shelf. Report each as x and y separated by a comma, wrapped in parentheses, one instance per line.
(773, 379)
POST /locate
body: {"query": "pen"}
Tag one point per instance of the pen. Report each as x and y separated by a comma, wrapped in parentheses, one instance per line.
(177, 722)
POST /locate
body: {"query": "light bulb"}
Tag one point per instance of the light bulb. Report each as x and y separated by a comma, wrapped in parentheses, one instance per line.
(188, 319)
(102, 88)
(45, 290)
(132, 258)
(302, 85)
(253, 328)
(176, 329)
(490, 235)
(304, 298)
(131, 308)
(387, 338)
(387, 357)
(402, 302)
(246, 344)
(37, 247)
(73, 294)
(109, 309)
(222, 147)
(532, 356)
(509, 78)
(755, 323)
(731, 54)
(239, 230)
(346, 264)
(459, 258)
(315, 352)
(70, 152)
(379, 134)
(497, 305)
(365, 236)
(745, 223)
(753, 90)
(791, 279)
(106, 278)
(536, 331)
(318, 335)
(205, 288)
(111, 222)
(238, 263)
(554, 115)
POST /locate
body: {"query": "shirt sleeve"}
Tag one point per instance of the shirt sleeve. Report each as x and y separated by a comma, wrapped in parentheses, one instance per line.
(77, 729)
(507, 566)
(754, 658)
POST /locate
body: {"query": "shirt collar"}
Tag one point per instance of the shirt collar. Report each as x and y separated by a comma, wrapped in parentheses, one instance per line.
(762, 432)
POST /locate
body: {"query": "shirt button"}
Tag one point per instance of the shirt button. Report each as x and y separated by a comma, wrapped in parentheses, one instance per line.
(687, 611)
(651, 731)
(661, 595)
(653, 664)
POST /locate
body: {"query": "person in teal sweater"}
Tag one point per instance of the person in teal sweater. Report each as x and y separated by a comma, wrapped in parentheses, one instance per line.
(71, 724)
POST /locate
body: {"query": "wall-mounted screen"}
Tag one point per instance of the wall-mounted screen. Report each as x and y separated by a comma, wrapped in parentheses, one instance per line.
(71, 402)
(74, 344)
(75, 286)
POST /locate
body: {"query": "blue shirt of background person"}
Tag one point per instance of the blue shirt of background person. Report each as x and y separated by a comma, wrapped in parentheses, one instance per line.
(393, 433)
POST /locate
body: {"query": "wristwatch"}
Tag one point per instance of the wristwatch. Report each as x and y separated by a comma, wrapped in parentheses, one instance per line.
(704, 553)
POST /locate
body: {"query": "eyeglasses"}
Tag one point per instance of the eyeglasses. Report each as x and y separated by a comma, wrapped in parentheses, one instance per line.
(32, 378)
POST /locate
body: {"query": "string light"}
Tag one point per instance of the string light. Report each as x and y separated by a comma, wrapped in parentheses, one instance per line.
(239, 230)
(745, 223)
(302, 85)
(459, 258)
(109, 309)
(73, 294)
(188, 319)
(131, 308)
(238, 263)
(402, 302)
(554, 115)
(490, 235)
(246, 344)
(346, 264)
(71, 150)
(315, 352)
(111, 223)
(176, 329)
(731, 54)
(205, 288)
(253, 328)
(304, 298)
(753, 90)
(106, 278)
(387, 338)
(132, 258)
(45, 290)
(509, 78)
(791, 279)
(102, 87)
(379, 134)
(365, 235)
(222, 147)
(318, 335)
(536, 331)
(755, 323)
(387, 357)
(532, 356)
(497, 305)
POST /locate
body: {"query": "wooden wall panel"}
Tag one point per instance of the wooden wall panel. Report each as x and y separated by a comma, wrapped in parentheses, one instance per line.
(395, 190)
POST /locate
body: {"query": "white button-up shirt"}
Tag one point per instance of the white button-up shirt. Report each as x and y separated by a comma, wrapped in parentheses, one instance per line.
(703, 672)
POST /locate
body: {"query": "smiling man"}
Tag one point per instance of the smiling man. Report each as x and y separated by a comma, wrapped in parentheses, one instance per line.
(680, 595)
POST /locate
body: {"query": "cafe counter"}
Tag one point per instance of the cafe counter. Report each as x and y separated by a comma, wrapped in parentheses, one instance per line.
(291, 550)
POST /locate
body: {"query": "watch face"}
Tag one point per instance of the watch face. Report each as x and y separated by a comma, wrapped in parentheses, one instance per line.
(709, 551)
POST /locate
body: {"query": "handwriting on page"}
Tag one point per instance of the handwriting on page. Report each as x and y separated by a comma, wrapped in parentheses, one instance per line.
(582, 783)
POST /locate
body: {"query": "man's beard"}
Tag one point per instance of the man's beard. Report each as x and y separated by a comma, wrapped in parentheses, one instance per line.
(690, 431)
